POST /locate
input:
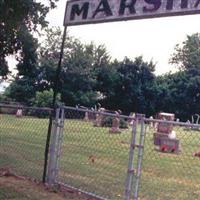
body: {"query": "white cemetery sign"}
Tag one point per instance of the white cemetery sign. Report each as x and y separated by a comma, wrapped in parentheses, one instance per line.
(96, 11)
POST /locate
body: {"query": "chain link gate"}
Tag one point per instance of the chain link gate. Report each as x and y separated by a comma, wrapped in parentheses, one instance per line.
(94, 160)
(134, 172)
(106, 153)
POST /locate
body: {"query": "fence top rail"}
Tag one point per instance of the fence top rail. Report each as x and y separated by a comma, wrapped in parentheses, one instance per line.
(25, 107)
(99, 112)
(172, 122)
(147, 120)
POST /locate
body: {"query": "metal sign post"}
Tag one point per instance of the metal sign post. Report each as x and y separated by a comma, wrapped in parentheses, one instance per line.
(55, 93)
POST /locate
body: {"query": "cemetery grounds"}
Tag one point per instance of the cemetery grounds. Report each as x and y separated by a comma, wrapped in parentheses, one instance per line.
(97, 161)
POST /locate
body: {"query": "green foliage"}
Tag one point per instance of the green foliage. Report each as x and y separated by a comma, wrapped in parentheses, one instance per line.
(27, 65)
(81, 63)
(45, 98)
(2, 97)
(187, 54)
(123, 124)
(89, 77)
(181, 91)
(130, 88)
(17, 17)
(21, 90)
(107, 122)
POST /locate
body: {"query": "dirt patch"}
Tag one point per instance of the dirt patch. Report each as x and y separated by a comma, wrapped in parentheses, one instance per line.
(20, 188)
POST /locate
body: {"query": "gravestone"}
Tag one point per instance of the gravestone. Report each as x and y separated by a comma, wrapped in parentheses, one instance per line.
(151, 124)
(165, 137)
(86, 118)
(99, 118)
(91, 116)
(163, 127)
(115, 125)
(19, 113)
(132, 119)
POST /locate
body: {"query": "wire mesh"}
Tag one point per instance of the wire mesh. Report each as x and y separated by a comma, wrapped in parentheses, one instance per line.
(171, 161)
(95, 153)
(23, 132)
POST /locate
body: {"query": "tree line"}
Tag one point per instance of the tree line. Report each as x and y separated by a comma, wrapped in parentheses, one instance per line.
(89, 76)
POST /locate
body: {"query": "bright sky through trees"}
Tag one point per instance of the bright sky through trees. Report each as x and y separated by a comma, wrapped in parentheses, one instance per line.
(152, 38)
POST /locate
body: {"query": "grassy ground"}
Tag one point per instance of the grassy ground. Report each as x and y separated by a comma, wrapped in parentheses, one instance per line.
(96, 161)
(12, 188)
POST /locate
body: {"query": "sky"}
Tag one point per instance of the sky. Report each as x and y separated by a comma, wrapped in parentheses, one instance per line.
(154, 39)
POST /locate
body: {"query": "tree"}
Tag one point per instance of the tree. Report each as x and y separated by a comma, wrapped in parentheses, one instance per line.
(23, 87)
(107, 81)
(81, 69)
(187, 54)
(131, 86)
(21, 90)
(45, 98)
(184, 87)
(81, 64)
(171, 94)
(17, 16)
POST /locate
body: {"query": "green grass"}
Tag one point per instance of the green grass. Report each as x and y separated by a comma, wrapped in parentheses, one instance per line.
(10, 193)
(22, 144)
(15, 189)
(164, 176)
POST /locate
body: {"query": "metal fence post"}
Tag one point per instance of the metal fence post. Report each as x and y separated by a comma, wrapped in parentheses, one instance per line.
(140, 156)
(52, 150)
(130, 171)
(59, 141)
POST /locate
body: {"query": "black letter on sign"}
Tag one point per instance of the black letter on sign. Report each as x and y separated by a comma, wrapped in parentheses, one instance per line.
(170, 4)
(156, 5)
(105, 8)
(130, 6)
(184, 3)
(197, 3)
(77, 11)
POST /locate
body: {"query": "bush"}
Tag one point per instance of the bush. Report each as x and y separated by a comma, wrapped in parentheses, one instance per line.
(38, 113)
(107, 122)
(45, 98)
(123, 124)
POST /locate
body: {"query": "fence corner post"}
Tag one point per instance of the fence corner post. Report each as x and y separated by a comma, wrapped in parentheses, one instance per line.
(51, 169)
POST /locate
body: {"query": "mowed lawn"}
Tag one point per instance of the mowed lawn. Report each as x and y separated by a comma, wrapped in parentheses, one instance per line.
(12, 188)
(96, 161)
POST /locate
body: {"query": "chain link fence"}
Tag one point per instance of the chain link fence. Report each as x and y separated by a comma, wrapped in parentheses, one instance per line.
(171, 161)
(95, 150)
(23, 132)
(111, 156)
(103, 154)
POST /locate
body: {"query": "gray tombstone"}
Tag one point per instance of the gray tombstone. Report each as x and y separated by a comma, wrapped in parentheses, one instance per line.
(99, 118)
(86, 118)
(115, 125)
(19, 113)
(151, 124)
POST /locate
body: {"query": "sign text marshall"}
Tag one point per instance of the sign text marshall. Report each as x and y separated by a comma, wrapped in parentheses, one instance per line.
(96, 11)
